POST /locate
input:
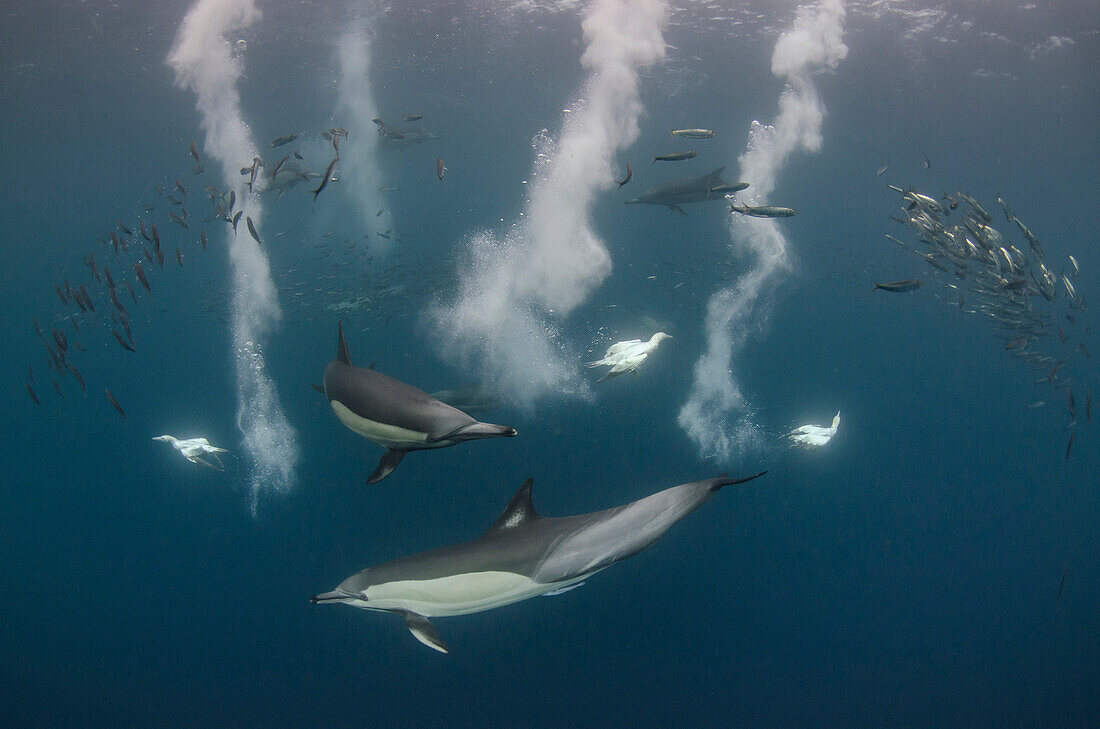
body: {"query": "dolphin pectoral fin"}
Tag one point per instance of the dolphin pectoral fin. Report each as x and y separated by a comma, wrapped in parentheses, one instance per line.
(318, 388)
(386, 464)
(677, 209)
(562, 590)
(423, 630)
(473, 431)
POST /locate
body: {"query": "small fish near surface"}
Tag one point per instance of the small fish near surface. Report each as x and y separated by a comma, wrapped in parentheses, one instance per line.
(692, 133)
(909, 284)
(328, 176)
(728, 188)
(115, 403)
(675, 156)
(252, 230)
(280, 141)
(763, 211)
(440, 168)
(629, 176)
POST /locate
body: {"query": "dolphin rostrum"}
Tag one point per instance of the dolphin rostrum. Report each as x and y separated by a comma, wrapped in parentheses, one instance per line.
(522, 555)
(394, 415)
(688, 190)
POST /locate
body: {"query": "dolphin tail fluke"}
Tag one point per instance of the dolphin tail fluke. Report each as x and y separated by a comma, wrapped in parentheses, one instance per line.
(475, 431)
(342, 353)
(386, 464)
(724, 480)
(423, 630)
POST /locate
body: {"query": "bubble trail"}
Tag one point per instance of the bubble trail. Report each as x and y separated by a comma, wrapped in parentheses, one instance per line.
(516, 287)
(716, 415)
(208, 64)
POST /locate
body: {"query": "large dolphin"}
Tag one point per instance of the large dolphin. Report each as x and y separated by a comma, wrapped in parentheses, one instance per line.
(522, 555)
(688, 190)
(394, 415)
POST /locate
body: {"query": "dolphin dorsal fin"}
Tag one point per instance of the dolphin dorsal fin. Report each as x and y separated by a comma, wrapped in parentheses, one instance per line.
(715, 177)
(342, 346)
(519, 511)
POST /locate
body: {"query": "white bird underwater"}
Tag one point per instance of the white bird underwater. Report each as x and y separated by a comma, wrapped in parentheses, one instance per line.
(814, 436)
(193, 449)
(627, 356)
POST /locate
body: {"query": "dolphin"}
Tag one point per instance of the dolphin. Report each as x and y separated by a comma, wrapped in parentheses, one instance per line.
(394, 415)
(688, 190)
(522, 555)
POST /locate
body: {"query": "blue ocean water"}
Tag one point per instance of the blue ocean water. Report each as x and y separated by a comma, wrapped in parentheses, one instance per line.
(935, 565)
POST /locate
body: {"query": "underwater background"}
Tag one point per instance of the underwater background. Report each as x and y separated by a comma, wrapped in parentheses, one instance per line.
(937, 564)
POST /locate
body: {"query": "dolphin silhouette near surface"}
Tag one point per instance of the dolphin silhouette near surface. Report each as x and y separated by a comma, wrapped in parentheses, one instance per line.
(396, 416)
(522, 555)
(686, 190)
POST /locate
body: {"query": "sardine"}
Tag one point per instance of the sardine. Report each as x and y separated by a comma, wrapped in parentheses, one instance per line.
(30, 391)
(692, 133)
(122, 342)
(202, 239)
(675, 156)
(274, 171)
(629, 176)
(280, 141)
(87, 301)
(115, 403)
(252, 230)
(236, 219)
(253, 171)
(763, 211)
(141, 277)
(440, 168)
(909, 284)
(332, 168)
(729, 188)
(76, 374)
(412, 117)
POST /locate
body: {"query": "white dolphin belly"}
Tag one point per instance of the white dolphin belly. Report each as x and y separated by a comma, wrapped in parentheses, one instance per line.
(457, 594)
(387, 436)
